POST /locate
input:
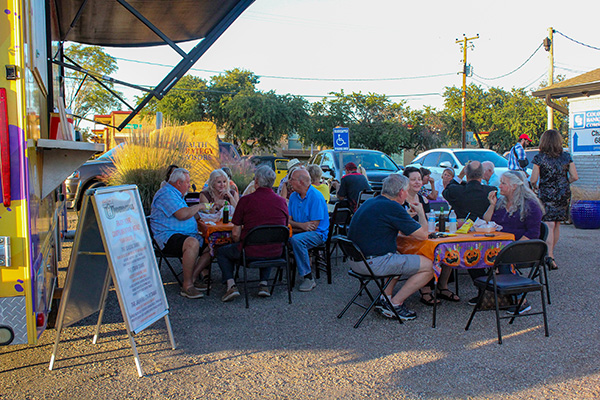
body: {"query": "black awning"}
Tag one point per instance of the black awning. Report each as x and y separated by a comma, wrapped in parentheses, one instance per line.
(110, 23)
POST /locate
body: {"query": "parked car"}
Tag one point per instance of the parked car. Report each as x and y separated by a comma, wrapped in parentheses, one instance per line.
(530, 153)
(277, 164)
(88, 176)
(436, 160)
(377, 164)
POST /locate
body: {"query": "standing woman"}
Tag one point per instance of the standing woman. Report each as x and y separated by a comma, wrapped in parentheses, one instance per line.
(556, 171)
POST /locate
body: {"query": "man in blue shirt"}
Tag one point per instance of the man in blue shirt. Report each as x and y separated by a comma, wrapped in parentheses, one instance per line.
(489, 175)
(310, 222)
(374, 229)
(517, 155)
(175, 229)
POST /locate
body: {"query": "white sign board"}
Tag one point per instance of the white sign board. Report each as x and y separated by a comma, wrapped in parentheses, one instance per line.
(130, 251)
(585, 132)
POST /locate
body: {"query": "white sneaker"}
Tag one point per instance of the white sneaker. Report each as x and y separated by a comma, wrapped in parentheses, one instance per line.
(307, 285)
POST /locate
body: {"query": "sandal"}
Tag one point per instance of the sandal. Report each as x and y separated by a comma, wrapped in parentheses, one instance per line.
(427, 299)
(551, 263)
(446, 294)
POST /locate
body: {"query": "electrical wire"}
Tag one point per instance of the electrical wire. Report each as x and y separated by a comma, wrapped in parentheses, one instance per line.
(304, 78)
(513, 71)
(576, 41)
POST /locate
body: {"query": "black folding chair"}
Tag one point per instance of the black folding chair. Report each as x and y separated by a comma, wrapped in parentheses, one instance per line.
(338, 225)
(162, 255)
(527, 254)
(364, 196)
(261, 236)
(352, 252)
(544, 266)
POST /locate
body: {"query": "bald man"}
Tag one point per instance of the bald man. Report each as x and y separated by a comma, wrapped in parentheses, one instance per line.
(470, 197)
(310, 222)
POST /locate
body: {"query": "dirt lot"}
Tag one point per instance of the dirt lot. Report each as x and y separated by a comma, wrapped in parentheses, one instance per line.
(277, 350)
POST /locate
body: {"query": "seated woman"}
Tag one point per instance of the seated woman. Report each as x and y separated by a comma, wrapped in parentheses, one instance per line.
(441, 183)
(316, 173)
(429, 193)
(518, 211)
(232, 184)
(219, 191)
(414, 186)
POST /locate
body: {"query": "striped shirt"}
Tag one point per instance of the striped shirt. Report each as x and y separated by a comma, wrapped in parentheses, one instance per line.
(513, 162)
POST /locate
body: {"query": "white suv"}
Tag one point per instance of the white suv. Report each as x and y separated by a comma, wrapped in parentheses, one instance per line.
(436, 160)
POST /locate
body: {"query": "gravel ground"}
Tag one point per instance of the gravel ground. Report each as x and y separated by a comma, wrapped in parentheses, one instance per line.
(277, 350)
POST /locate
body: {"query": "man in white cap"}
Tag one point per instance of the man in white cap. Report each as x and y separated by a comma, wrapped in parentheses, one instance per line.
(517, 159)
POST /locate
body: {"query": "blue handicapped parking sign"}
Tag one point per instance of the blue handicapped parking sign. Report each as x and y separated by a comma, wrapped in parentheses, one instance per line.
(341, 139)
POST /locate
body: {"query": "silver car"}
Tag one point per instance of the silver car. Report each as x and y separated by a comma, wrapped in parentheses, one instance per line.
(436, 160)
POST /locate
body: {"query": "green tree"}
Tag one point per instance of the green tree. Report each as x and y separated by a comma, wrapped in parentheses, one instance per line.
(259, 120)
(83, 95)
(224, 87)
(185, 103)
(374, 121)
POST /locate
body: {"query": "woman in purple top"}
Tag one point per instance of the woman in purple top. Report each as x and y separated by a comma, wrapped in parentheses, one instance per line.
(518, 211)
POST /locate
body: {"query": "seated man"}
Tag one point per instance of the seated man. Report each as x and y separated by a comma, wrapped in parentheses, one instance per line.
(470, 197)
(489, 175)
(310, 222)
(261, 207)
(175, 229)
(351, 185)
(374, 229)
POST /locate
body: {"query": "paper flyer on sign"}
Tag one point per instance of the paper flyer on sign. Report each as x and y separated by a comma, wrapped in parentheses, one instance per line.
(133, 260)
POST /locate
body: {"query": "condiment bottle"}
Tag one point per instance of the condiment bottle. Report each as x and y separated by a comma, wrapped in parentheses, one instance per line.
(442, 224)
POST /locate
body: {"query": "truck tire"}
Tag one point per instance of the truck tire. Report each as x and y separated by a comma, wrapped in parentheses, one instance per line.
(91, 185)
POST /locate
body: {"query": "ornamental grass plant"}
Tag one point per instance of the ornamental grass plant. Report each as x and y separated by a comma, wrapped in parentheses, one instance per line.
(144, 160)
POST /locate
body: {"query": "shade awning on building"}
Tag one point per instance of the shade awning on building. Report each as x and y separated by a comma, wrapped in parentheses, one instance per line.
(584, 85)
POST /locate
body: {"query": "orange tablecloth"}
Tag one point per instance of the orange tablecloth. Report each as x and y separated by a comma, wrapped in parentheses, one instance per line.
(468, 250)
(216, 235)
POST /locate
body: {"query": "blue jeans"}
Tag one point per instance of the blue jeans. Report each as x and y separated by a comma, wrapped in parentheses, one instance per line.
(301, 243)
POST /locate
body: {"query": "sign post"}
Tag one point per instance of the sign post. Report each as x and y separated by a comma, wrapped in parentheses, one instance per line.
(113, 243)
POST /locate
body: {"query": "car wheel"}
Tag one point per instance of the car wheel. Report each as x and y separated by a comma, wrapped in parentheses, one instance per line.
(91, 185)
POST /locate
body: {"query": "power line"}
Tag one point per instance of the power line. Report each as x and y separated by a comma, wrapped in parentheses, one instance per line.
(304, 78)
(577, 41)
(513, 71)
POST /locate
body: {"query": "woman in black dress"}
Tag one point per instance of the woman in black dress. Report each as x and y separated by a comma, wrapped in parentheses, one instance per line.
(555, 171)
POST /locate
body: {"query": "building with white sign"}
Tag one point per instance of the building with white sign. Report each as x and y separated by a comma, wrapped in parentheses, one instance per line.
(583, 95)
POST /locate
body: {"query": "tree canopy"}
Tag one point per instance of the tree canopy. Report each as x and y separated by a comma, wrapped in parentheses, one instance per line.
(83, 95)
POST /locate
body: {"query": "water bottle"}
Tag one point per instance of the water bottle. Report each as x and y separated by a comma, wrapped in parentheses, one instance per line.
(431, 222)
(442, 224)
(452, 222)
(226, 213)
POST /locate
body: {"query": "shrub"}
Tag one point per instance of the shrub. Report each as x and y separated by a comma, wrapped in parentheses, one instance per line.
(143, 161)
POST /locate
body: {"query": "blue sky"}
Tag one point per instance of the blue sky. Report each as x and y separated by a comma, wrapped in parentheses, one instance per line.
(403, 49)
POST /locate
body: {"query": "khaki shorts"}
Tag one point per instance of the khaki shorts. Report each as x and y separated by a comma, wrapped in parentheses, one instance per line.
(389, 264)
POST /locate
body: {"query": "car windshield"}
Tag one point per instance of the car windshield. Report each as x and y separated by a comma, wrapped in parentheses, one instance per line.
(464, 156)
(111, 153)
(369, 161)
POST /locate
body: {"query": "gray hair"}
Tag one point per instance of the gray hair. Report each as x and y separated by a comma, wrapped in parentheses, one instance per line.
(522, 195)
(178, 174)
(217, 173)
(264, 176)
(315, 173)
(393, 184)
(487, 166)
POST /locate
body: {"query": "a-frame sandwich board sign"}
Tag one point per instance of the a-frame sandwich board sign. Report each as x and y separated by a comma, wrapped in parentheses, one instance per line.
(112, 242)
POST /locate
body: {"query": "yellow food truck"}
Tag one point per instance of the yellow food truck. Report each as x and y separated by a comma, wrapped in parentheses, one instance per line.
(37, 152)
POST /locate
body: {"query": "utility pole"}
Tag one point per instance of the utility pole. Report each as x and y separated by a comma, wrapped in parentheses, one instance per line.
(549, 47)
(464, 42)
